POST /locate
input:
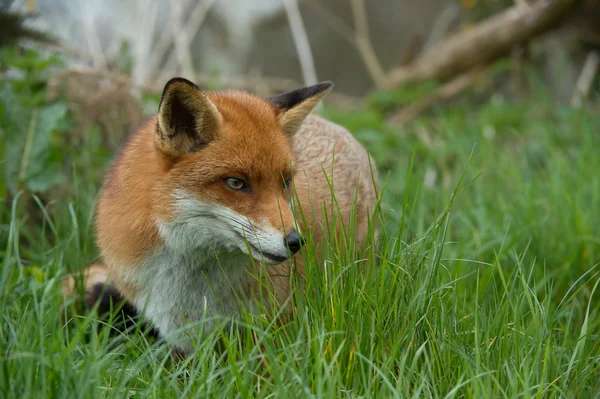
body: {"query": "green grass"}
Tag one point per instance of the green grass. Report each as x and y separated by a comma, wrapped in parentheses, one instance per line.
(480, 287)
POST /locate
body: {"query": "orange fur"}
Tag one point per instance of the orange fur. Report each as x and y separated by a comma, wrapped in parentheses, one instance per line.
(196, 142)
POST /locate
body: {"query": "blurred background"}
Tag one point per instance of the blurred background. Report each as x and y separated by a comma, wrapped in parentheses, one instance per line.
(505, 88)
(355, 43)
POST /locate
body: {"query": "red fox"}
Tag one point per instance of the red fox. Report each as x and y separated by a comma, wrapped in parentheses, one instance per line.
(212, 181)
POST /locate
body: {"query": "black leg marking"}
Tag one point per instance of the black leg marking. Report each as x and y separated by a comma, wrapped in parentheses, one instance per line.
(109, 301)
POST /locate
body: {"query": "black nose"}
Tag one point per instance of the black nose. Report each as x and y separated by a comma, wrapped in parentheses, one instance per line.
(294, 242)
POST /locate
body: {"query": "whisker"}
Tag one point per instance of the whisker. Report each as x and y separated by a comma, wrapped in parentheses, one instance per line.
(249, 228)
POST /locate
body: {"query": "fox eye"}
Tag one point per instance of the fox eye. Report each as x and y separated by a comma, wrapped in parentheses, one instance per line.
(236, 184)
(287, 183)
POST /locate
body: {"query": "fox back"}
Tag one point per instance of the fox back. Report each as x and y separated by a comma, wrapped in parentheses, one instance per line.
(214, 184)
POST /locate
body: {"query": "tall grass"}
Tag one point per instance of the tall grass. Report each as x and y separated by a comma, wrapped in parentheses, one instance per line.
(481, 283)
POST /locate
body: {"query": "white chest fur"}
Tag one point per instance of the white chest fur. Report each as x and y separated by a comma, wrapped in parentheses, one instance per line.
(200, 272)
(185, 292)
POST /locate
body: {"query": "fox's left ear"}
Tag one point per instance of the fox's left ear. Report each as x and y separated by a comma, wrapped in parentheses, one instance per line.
(187, 118)
(294, 106)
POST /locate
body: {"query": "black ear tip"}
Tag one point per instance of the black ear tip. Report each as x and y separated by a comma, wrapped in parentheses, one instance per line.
(178, 80)
(327, 84)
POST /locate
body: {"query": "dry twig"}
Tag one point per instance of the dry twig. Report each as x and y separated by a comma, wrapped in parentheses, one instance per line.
(180, 38)
(332, 19)
(483, 43)
(444, 93)
(363, 43)
(442, 25)
(586, 78)
(197, 17)
(92, 39)
(307, 64)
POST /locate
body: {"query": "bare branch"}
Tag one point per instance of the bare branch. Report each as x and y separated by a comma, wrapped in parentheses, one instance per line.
(586, 78)
(162, 46)
(444, 93)
(363, 43)
(91, 37)
(483, 43)
(143, 50)
(442, 25)
(187, 30)
(331, 19)
(307, 64)
(181, 39)
(197, 17)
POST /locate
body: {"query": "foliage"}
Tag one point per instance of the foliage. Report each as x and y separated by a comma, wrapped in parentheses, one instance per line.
(30, 124)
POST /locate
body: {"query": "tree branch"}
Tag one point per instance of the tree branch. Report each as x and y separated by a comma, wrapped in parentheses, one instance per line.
(586, 78)
(444, 93)
(363, 43)
(483, 43)
(307, 64)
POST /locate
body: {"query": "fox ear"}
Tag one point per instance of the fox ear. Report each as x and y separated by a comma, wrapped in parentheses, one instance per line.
(294, 106)
(187, 119)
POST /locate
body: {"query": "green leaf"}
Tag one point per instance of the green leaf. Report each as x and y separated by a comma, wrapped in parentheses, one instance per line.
(44, 162)
(13, 125)
(30, 155)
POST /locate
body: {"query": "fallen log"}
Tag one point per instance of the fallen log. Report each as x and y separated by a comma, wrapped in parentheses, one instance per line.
(482, 43)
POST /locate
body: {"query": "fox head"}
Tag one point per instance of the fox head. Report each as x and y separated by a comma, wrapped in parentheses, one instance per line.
(228, 169)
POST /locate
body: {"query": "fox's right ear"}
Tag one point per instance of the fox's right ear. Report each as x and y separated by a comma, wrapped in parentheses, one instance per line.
(294, 106)
(187, 119)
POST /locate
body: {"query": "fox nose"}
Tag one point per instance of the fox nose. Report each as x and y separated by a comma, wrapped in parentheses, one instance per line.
(294, 242)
